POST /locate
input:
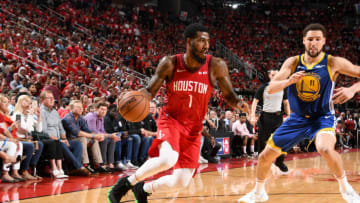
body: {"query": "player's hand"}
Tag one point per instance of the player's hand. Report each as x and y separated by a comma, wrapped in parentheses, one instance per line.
(252, 120)
(342, 95)
(243, 106)
(296, 77)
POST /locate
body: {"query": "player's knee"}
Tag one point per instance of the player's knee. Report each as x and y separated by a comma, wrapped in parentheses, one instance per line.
(265, 156)
(169, 159)
(324, 151)
(183, 179)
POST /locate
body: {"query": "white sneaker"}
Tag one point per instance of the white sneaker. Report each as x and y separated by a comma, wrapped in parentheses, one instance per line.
(253, 197)
(121, 166)
(62, 174)
(129, 165)
(351, 196)
(202, 160)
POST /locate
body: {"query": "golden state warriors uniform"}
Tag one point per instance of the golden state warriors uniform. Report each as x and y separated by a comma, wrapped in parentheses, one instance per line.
(310, 101)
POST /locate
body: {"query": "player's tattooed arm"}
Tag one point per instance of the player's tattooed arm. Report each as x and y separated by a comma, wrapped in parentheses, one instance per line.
(164, 71)
(220, 72)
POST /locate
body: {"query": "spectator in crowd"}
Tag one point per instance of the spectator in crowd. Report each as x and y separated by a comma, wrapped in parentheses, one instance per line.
(76, 129)
(15, 83)
(217, 124)
(52, 126)
(227, 120)
(12, 103)
(114, 123)
(27, 124)
(91, 108)
(10, 147)
(64, 107)
(148, 132)
(10, 128)
(341, 135)
(350, 126)
(134, 131)
(53, 87)
(95, 122)
(30, 126)
(210, 147)
(240, 129)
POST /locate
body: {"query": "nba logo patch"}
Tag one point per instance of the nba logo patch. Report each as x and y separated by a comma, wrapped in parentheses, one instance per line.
(225, 145)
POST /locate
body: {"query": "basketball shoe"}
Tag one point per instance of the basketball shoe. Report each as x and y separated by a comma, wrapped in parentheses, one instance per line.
(139, 193)
(116, 192)
(253, 197)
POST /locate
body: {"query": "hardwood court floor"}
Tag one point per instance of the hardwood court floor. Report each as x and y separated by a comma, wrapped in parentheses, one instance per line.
(308, 181)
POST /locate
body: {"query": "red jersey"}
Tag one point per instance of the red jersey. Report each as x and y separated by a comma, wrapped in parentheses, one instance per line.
(188, 93)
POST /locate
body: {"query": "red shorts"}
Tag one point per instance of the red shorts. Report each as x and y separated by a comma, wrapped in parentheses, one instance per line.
(181, 138)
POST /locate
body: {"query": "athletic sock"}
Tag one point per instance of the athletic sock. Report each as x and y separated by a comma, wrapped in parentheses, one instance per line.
(260, 186)
(252, 148)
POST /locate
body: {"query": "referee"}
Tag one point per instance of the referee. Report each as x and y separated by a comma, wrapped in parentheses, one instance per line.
(271, 116)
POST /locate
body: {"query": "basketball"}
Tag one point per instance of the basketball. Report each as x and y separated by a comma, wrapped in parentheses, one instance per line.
(134, 106)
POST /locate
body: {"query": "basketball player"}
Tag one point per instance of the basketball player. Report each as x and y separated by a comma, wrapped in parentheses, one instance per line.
(310, 79)
(189, 81)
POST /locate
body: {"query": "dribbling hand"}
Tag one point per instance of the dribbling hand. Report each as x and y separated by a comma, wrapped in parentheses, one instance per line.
(296, 77)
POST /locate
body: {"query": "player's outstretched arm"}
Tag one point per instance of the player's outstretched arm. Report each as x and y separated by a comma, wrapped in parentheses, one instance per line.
(340, 65)
(220, 71)
(163, 72)
(282, 79)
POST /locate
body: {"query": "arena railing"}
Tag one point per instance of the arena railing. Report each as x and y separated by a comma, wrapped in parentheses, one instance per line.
(134, 73)
(33, 63)
(86, 31)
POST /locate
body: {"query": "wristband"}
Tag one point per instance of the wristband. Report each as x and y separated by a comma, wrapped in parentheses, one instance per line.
(92, 139)
(109, 135)
(5, 141)
(9, 129)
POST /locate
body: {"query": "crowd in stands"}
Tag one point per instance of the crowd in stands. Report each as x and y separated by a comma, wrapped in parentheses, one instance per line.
(61, 75)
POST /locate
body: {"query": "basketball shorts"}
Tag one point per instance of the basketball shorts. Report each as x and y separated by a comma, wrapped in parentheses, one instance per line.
(297, 128)
(182, 138)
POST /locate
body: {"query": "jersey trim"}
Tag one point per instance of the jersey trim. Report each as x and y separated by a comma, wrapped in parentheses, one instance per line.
(329, 68)
(297, 63)
(309, 67)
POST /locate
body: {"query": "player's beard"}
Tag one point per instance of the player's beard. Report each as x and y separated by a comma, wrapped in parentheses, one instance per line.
(313, 55)
(195, 56)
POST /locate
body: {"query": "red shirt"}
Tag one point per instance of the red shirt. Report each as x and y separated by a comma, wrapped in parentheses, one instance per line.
(188, 94)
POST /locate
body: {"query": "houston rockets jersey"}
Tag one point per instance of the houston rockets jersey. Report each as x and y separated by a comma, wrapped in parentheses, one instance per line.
(311, 96)
(188, 93)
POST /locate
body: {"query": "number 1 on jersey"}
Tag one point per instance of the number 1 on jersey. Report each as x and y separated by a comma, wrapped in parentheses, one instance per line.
(190, 103)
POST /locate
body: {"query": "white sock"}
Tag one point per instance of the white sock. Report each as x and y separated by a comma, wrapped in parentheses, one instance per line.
(260, 186)
(155, 165)
(252, 148)
(344, 184)
(148, 187)
(179, 179)
(132, 179)
(244, 149)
